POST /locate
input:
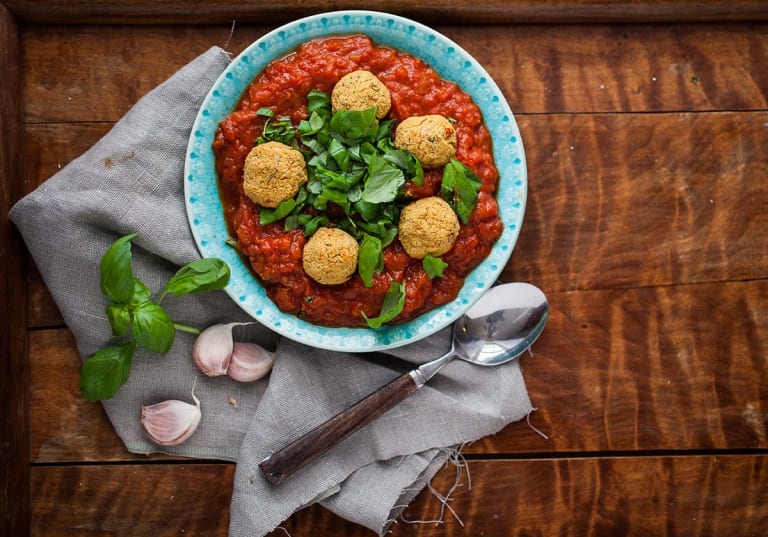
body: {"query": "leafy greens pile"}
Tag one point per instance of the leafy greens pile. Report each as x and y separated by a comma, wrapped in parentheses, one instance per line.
(353, 164)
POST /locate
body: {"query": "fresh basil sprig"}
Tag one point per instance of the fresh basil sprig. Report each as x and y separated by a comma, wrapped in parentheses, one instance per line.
(136, 319)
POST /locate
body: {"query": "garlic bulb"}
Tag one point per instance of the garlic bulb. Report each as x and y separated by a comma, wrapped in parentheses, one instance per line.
(171, 422)
(213, 349)
(249, 362)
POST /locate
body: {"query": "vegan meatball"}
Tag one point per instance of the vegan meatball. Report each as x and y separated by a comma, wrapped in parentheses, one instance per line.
(431, 139)
(330, 256)
(361, 90)
(273, 173)
(428, 226)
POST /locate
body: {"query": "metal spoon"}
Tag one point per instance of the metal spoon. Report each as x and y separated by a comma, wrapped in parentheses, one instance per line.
(502, 325)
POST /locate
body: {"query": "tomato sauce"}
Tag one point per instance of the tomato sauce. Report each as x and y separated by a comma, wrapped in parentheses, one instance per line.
(275, 254)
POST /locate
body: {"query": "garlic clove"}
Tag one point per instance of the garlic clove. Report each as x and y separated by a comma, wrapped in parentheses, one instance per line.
(171, 422)
(249, 362)
(213, 349)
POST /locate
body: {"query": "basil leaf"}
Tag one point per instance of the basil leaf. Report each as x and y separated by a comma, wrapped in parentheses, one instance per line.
(316, 123)
(388, 236)
(398, 157)
(339, 153)
(119, 317)
(281, 131)
(385, 131)
(266, 112)
(103, 373)
(355, 124)
(433, 266)
(336, 180)
(152, 328)
(355, 194)
(140, 294)
(268, 216)
(370, 258)
(415, 170)
(394, 300)
(384, 181)
(369, 211)
(317, 100)
(315, 223)
(459, 188)
(207, 274)
(117, 283)
(330, 194)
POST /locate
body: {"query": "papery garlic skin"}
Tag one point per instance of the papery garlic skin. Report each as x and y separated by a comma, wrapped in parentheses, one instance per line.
(249, 362)
(171, 422)
(213, 349)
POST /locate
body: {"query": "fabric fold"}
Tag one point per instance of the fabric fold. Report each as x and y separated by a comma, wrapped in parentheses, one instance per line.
(132, 181)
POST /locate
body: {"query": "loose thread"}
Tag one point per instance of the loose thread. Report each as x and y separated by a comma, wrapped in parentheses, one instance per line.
(456, 458)
(285, 530)
(231, 33)
(528, 420)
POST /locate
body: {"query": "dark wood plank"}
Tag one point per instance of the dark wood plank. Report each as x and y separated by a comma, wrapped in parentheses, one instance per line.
(14, 370)
(717, 495)
(649, 369)
(671, 367)
(92, 74)
(175, 499)
(462, 11)
(96, 73)
(620, 200)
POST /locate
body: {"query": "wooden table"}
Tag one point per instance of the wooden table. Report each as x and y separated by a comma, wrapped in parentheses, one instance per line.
(646, 133)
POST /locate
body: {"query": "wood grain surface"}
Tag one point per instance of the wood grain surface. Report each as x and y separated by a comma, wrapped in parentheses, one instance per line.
(691, 496)
(647, 156)
(463, 11)
(14, 366)
(540, 69)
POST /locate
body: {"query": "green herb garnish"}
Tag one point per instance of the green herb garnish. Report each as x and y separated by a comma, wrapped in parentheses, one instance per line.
(459, 188)
(352, 164)
(370, 258)
(280, 130)
(394, 300)
(138, 320)
(433, 266)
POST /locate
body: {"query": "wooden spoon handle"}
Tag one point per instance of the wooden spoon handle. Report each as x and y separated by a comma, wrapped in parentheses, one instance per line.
(305, 449)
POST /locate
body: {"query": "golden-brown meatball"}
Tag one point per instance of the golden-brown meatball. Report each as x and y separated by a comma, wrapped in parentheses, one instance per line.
(431, 139)
(330, 256)
(273, 173)
(428, 226)
(361, 90)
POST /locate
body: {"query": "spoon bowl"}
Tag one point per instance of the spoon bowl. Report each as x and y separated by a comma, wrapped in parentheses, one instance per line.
(501, 326)
(493, 331)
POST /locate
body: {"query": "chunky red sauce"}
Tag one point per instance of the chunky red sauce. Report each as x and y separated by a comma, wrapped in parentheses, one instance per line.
(275, 255)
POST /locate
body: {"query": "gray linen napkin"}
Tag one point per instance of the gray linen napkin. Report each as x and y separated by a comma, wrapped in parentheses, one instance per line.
(132, 181)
